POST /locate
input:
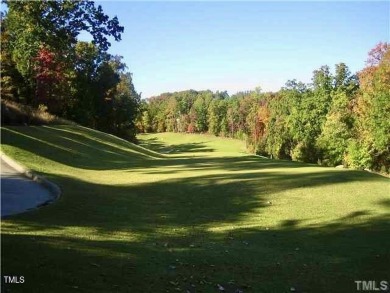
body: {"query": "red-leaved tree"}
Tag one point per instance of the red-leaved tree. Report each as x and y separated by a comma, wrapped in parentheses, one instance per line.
(50, 79)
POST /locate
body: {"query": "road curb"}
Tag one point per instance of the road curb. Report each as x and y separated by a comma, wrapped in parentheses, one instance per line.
(54, 189)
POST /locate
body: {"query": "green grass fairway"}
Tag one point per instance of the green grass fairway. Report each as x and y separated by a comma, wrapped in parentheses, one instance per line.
(183, 213)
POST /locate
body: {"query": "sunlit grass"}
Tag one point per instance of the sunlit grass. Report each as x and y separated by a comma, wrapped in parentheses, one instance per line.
(188, 212)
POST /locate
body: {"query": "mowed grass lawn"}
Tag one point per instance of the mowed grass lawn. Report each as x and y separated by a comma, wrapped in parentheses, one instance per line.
(186, 213)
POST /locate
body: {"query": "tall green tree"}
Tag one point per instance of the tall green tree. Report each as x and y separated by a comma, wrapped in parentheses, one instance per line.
(338, 128)
(200, 107)
(371, 147)
(55, 26)
(126, 107)
(216, 115)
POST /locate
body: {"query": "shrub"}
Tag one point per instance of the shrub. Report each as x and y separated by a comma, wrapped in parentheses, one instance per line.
(358, 155)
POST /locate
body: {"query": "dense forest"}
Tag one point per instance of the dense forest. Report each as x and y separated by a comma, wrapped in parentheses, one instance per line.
(43, 64)
(339, 118)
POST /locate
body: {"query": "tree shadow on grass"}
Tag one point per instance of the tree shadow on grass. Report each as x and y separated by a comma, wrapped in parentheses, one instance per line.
(75, 147)
(156, 237)
(163, 148)
(179, 234)
(327, 258)
(59, 145)
(181, 202)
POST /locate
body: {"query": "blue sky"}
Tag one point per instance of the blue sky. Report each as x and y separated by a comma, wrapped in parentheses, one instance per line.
(171, 46)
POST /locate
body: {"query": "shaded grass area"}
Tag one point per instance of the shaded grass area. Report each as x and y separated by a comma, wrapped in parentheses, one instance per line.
(135, 220)
(191, 145)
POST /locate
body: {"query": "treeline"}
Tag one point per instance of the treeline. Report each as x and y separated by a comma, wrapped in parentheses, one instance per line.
(339, 118)
(44, 65)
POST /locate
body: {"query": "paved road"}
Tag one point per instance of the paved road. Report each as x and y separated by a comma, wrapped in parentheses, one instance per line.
(18, 193)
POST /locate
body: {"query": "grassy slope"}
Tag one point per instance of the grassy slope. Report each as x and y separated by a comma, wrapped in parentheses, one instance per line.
(194, 211)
